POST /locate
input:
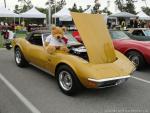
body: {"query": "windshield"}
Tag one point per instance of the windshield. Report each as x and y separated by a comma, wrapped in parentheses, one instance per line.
(147, 32)
(71, 39)
(118, 35)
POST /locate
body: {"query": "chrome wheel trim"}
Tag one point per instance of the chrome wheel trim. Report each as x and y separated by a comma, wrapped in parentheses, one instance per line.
(135, 60)
(65, 80)
(18, 56)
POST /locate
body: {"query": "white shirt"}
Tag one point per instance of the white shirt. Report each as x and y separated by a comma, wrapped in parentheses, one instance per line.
(11, 34)
(54, 41)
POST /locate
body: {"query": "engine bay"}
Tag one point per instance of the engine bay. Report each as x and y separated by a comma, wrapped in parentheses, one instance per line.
(80, 51)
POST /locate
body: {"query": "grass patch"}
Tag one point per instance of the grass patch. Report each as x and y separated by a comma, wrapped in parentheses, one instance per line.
(1, 45)
(20, 35)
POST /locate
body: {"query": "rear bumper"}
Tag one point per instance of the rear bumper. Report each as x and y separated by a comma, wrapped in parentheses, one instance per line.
(108, 82)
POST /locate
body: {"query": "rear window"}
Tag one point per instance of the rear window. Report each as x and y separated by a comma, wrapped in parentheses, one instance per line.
(118, 35)
(147, 32)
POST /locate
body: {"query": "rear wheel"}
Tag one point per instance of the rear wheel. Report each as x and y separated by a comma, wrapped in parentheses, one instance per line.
(137, 58)
(19, 58)
(67, 80)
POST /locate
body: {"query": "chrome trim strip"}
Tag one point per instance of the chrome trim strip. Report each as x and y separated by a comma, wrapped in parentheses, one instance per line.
(108, 79)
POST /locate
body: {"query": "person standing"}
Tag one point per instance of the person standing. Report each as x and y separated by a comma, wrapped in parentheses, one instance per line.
(131, 23)
(11, 34)
(123, 25)
(136, 22)
(143, 23)
(5, 35)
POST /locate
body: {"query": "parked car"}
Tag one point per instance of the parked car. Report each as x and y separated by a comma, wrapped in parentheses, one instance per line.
(137, 51)
(81, 66)
(141, 34)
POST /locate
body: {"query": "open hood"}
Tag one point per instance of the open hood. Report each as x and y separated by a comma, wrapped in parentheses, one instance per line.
(95, 36)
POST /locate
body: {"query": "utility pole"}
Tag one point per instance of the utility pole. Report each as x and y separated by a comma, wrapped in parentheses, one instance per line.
(49, 15)
(55, 10)
(5, 3)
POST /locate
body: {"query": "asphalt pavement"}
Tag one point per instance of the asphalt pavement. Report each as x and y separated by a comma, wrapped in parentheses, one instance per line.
(27, 90)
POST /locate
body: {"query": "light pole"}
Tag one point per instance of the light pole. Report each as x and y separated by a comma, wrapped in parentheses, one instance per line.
(55, 9)
(5, 3)
(49, 15)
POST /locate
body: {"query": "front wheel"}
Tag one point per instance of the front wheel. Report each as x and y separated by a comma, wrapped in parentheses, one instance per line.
(67, 80)
(137, 59)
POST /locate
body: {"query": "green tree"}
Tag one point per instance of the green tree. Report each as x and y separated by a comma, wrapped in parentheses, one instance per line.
(87, 7)
(96, 7)
(81, 9)
(27, 4)
(42, 10)
(120, 5)
(105, 10)
(17, 9)
(130, 7)
(127, 6)
(74, 8)
(59, 5)
(146, 10)
(145, 1)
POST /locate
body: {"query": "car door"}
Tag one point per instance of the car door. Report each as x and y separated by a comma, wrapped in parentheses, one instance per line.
(49, 65)
(37, 53)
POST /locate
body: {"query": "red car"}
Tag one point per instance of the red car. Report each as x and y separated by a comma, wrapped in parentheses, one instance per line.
(136, 51)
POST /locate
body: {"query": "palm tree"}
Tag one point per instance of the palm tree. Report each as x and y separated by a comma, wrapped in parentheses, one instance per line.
(5, 3)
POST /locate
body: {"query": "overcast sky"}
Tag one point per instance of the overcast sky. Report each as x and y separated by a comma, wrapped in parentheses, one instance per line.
(83, 3)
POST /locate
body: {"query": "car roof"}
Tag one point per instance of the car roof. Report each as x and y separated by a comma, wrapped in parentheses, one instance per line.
(114, 30)
(138, 29)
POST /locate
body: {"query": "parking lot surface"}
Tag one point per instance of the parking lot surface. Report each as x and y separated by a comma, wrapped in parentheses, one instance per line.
(25, 90)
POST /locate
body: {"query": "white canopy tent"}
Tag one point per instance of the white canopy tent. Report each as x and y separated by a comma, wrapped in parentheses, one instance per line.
(143, 16)
(123, 14)
(63, 15)
(7, 13)
(32, 13)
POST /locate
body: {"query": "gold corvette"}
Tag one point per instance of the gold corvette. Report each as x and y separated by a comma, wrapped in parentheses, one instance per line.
(93, 65)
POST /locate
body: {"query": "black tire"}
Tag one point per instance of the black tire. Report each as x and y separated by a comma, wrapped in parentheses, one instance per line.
(76, 85)
(137, 58)
(8, 46)
(19, 58)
